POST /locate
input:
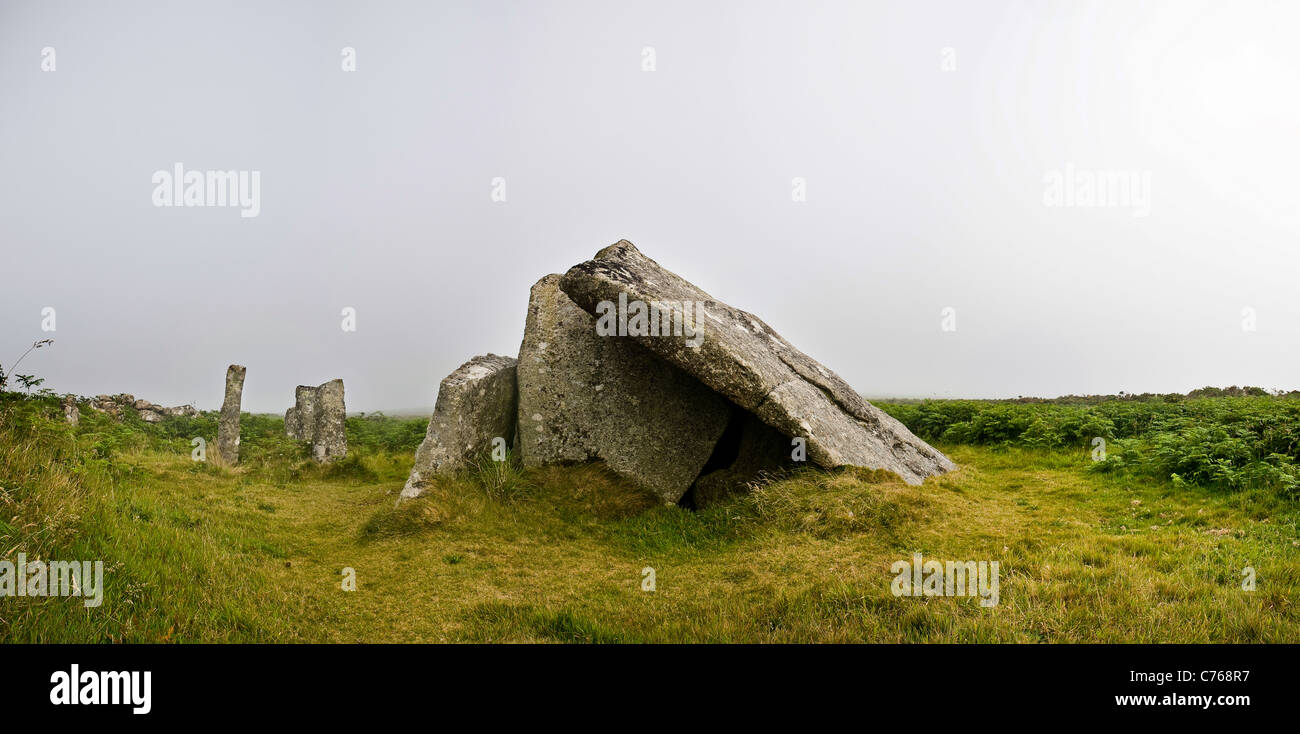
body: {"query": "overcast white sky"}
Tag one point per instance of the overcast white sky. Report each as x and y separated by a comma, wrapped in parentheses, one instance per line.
(926, 176)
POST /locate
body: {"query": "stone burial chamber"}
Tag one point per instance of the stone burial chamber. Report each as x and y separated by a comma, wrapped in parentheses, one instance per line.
(625, 362)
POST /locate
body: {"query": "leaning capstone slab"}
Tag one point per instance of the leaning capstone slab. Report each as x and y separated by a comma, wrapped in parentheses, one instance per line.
(228, 425)
(475, 407)
(741, 357)
(584, 396)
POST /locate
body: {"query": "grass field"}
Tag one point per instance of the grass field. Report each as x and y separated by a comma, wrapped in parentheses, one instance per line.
(195, 552)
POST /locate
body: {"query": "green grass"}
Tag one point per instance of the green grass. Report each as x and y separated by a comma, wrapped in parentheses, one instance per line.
(1251, 441)
(200, 553)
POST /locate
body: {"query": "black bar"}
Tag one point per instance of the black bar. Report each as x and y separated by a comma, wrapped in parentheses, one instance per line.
(937, 683)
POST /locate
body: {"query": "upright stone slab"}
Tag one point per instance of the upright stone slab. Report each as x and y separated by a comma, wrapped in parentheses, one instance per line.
(319, 418)
(583, 396)
(741, 357)
(329, 440)
(300, 420)
(71, 413)
(228, 427)
(475, 407)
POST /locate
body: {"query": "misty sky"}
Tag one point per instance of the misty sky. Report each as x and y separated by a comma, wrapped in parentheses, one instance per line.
(926, 175)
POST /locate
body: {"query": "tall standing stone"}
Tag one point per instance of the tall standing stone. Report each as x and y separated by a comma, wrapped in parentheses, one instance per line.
(319, 418)
(228, 428)
(300, 420)
(329, 437)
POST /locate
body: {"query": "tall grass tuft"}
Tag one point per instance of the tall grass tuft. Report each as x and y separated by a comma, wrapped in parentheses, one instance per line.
(502, 480)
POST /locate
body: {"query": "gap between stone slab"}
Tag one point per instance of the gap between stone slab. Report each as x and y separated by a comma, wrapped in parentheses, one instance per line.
(725, 453)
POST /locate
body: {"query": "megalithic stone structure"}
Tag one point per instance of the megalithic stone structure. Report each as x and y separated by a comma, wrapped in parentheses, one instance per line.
(628, 363)
(476, 406)
(742, 358)
(228, 428)
(329, 436)
(300, 420)
(583, 396)
(319, 418)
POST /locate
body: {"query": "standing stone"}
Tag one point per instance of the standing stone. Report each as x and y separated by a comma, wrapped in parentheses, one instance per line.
(583, 396)
(228, 428)
(475, 406)
(329, 431)
(300, 420)
(319, 418)
(71, 412)
(741, 357)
